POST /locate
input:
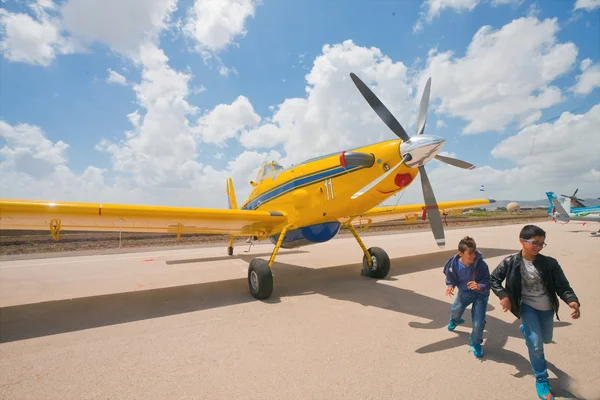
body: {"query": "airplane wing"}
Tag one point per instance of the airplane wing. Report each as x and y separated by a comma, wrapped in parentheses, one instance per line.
(77, 216)
(413, 211)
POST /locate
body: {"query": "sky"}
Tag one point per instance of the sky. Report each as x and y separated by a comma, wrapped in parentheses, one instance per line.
(158, 102)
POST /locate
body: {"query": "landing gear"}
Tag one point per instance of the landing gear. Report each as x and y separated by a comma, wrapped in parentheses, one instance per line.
(376, 262)
(260, 275)
(230, 248)
(260, 279)
(380, 264)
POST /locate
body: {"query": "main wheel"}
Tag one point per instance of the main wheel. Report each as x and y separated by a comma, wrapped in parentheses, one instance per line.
(260, 279)
(230, 251)
(381, 263)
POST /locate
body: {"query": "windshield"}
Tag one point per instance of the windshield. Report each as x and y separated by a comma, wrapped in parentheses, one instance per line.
(267, 169)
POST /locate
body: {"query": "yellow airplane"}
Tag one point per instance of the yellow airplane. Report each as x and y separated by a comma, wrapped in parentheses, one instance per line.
(297, 206)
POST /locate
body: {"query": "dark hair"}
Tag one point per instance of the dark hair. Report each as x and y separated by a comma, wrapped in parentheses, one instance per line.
(530, 231)
(467, 243)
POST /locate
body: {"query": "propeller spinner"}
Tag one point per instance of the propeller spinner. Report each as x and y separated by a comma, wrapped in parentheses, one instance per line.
(416, 151)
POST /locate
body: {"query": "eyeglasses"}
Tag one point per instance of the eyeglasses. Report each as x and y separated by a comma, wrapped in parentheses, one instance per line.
(536, 244)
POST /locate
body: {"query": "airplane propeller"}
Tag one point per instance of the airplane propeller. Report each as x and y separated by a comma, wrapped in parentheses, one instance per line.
(574, 199)
(423, 142)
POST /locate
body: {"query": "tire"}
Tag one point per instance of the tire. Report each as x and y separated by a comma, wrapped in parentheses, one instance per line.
(230, 251)
(260, 279)
(381, 264)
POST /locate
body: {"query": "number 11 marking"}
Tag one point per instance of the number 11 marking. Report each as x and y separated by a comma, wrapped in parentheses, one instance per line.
(329, 189)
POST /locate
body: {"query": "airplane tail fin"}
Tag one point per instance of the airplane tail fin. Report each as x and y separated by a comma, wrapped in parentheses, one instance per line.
(551, 197)
(231, 195)
(563, 215)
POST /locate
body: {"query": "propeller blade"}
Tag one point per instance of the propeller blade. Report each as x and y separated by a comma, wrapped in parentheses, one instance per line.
(380, 109)
(422, 118)
(435, 220)
(455, 162)
(382, 177)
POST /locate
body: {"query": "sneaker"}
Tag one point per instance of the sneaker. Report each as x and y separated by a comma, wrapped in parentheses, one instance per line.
(543, 391)
(476, 349)
(452, 325)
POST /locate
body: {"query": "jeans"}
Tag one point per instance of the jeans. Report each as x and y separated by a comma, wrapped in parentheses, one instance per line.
(538, 328)
(478, 311)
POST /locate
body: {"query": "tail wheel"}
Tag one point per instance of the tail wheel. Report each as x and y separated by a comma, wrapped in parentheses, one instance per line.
(260, 279)
(381, 263)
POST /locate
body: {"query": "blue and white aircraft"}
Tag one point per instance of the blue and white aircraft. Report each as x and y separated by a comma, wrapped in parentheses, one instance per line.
(559, 213)
(567, 205)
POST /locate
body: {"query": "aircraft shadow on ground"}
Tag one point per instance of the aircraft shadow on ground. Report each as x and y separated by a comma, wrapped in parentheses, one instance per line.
(241, 256)
(339, 282)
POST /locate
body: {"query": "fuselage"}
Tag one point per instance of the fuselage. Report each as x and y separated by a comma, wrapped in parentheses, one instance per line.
(316, 193)
(586, 210)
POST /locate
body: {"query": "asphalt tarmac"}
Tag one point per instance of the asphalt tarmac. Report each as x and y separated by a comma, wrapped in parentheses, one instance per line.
(180, 324)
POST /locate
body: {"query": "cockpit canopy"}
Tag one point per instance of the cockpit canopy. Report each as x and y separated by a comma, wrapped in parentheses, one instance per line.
(267, 169)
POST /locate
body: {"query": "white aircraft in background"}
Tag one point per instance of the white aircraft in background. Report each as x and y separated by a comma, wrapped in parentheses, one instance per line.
(562, 215)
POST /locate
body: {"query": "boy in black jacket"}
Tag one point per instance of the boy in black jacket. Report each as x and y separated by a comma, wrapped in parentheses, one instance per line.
(533, 282)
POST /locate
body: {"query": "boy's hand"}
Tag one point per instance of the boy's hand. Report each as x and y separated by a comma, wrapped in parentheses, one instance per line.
(450, 291)
(575, 310)
(473, 285)
(505, 303)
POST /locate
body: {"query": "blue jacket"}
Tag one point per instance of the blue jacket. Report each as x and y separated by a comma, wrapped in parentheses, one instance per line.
(478, 272)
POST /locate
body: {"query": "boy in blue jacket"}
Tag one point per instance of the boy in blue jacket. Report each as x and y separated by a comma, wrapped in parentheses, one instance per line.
(469, 272)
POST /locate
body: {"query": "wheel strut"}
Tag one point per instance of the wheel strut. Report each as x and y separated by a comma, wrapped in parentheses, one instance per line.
(360, 242)
(260, 275)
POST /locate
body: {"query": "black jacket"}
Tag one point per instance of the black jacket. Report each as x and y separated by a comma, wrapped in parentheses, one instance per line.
(551, 273)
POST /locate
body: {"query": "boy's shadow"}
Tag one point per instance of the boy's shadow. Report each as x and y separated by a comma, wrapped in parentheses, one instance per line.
(498, 334)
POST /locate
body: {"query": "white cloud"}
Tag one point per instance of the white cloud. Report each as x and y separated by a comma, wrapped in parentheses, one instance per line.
(76, 24)
(115, 77)
(161, 149)
(543, 156)
(433, 8)
(505, 2)
(163, 158)
(158, 160)
(265, 136)
(34, 167)
(163, 152)
(225, 120)
(588, 5)
(213, 24)
(505, 76)
(225, 71)
(28, 151)
(32, 40)
(589, 78)
(334, 115)
(120, 25)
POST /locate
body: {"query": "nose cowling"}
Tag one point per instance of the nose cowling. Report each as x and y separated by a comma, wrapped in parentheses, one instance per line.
(422, 148)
